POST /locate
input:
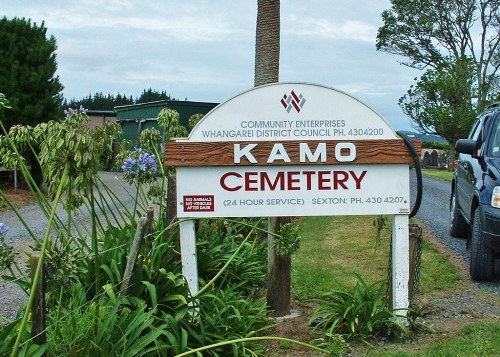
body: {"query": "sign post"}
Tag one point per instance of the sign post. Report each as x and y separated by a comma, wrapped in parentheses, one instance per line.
(293, 149)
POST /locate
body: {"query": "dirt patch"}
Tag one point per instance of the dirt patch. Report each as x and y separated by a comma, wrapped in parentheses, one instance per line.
(296, 328)
(18, 198)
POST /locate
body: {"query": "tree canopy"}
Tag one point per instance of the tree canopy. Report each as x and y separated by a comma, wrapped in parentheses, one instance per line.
(440, 37)
(27, 72)
(151, 95)
(441, 101)
(100, 101)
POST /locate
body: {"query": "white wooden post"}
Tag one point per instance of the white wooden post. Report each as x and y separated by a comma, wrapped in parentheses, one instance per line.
(188, 255)
(400, 263)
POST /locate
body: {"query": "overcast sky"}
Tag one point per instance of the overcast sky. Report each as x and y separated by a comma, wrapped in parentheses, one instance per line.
(204, 50)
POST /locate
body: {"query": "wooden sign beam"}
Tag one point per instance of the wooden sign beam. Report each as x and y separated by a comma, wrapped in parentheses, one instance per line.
(195, 154)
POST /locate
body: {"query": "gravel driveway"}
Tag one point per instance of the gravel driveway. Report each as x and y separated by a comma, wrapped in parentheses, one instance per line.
(11, 296)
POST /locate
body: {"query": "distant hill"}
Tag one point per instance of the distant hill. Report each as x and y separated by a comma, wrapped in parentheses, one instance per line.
(425, 137)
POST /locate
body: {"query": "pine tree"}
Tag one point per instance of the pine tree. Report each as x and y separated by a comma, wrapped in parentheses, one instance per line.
(27, 72)
(152, 95)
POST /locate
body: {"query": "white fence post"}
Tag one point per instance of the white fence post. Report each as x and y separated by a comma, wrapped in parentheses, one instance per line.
(188, 255)
(400, 263)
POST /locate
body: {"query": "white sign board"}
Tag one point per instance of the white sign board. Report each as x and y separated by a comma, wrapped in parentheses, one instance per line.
(292, 191)
(238, 183)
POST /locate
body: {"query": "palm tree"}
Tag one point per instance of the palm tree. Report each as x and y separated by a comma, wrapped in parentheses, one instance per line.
(267, 44)
(267, 63)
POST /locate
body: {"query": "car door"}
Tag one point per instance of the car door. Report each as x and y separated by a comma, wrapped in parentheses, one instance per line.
(467, 168)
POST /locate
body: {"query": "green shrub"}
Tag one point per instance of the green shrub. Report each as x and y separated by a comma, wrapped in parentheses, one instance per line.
(86, 262)
(361, 313)
(216, 243)
(226, 315)
(126, 327)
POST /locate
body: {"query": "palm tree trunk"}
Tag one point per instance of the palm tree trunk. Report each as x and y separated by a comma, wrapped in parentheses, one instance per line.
(267, 44)
(267, 61)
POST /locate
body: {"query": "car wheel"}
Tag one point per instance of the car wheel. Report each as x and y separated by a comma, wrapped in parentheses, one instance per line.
(481, 256)
(458, 225)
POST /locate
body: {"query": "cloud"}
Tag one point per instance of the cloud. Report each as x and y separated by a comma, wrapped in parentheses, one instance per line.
(172, 20)
(328, 29)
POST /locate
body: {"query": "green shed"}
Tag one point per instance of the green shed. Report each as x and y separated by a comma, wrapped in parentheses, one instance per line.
(136, 117)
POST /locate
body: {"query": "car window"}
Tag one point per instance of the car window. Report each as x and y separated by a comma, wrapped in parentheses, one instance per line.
(474, 131)
(495, 146)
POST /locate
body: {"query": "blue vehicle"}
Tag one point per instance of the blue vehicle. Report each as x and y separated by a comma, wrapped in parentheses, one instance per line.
(475, 193)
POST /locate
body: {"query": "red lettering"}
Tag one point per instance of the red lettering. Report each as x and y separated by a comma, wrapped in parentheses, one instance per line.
(223, 181)
(309, 175)
(249, 181)
(279, 179)
(322, 180)
(291, 180)
(340, 181)
(358, 179)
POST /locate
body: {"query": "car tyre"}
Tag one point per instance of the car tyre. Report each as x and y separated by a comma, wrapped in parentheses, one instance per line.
(481, 256)
(458, 225)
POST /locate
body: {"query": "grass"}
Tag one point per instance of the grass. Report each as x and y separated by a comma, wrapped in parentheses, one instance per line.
(437, 273)
(442, 174)
(334, 249)
(477, 339)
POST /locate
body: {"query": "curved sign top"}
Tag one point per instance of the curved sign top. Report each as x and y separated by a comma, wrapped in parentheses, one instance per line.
(291, 149)
(291, 111)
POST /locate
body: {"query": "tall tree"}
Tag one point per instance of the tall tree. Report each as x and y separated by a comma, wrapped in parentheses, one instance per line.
(431, 33)
(441, 101)
(267, 42)
(99, 101)
(27, 72)
(267, 58)
(152, 95)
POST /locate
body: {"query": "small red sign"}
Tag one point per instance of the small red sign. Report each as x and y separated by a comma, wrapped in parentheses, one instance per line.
(198, 203)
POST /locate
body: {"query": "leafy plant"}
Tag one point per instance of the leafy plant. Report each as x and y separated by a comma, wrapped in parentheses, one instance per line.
(335, 344)
(217, 241)
(226, 315)
(288, 240)
(195, 119)
(63, 261)
(105, 137)
(86, 264)
(127, 327)
(8, 335)
(7, 254)
(360, 313)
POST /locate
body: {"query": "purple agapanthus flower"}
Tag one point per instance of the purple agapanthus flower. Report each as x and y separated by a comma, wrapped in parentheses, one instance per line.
(147, 162)
(4, 229)
(140, 165)
(129, 165)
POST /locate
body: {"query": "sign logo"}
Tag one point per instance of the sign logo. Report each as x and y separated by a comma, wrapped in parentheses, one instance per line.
(293, 100)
